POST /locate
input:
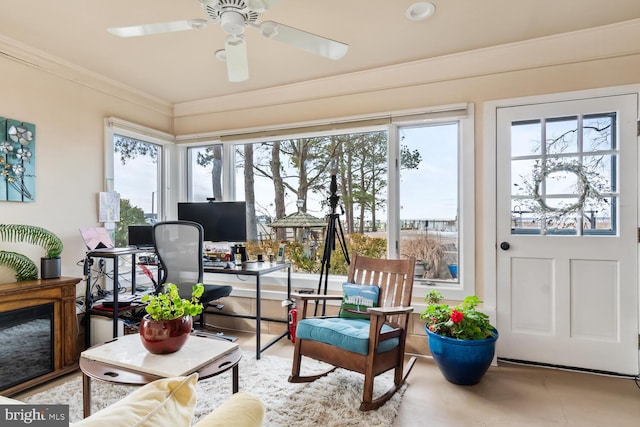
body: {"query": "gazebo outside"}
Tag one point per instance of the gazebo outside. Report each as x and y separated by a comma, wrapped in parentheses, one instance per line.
(307, 229)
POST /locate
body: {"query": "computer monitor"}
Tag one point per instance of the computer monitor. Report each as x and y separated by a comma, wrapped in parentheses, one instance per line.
(141, 236)
(222, 221)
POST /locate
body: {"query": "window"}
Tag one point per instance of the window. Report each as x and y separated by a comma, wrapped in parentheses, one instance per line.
(134, 170)
(204, 172)
(292, 184)
(429, 199)
(399, 189)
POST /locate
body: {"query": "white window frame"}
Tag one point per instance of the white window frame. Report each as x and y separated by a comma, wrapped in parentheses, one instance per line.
(466, 205)
(115, 126)
(466, 191)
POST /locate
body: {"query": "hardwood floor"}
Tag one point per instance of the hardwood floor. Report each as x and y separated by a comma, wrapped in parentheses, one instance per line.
(508, 396)
(512, 395)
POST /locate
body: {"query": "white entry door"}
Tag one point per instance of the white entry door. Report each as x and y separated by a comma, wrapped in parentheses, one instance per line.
(567, 233)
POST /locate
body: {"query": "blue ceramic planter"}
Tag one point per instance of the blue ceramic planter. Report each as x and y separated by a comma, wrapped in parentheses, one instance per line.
(462, 362)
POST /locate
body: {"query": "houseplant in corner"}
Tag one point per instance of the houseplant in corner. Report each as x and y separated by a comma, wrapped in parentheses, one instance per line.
(25, 269)
(461, 339)
(169, 319)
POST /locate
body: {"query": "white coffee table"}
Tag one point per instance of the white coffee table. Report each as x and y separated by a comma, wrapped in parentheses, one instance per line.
(115, 362)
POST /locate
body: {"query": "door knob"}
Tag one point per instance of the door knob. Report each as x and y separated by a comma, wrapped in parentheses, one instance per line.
(505, 246)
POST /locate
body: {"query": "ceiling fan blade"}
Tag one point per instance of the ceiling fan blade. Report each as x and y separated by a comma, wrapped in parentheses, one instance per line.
(236, 57)
(301, 39)
(161, 27)
(261, 6)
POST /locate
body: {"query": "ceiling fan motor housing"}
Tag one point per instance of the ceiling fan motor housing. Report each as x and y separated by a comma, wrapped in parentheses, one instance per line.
(232, 23)
(217, 8)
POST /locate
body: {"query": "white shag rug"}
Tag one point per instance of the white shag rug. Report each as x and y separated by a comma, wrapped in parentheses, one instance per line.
(330, 401)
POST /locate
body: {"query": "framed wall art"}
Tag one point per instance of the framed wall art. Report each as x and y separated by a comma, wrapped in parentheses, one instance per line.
(17, 161)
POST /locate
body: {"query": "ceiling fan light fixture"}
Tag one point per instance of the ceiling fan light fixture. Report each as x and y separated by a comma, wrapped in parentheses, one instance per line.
(233, 23)
(420, 11)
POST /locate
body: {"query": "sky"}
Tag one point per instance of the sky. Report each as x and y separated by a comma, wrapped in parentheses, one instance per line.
(137, 181)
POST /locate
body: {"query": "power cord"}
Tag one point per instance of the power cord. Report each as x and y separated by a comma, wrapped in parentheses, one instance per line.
(80, 304)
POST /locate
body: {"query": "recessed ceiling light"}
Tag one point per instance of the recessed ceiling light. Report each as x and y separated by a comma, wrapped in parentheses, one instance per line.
(419, 11)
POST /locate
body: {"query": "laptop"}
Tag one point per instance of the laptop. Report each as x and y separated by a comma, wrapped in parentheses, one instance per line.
(141, 236)
(98, 240)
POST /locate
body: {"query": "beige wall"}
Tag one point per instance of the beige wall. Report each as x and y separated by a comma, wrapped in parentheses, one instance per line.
(69, 113)
(69, 156)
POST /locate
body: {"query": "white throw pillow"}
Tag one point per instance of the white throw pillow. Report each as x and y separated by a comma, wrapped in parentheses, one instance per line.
(165, 402)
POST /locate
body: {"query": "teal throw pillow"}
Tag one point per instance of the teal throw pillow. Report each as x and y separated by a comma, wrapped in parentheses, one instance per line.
(356, 299)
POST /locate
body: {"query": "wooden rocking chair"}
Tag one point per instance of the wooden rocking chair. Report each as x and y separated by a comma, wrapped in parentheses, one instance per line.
(368, 346)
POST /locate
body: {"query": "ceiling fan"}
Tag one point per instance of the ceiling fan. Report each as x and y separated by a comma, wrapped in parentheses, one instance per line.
(234, 17)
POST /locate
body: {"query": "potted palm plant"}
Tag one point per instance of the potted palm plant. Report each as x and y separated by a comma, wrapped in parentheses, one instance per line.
(169, 319)
(50, 264)
(461, 339)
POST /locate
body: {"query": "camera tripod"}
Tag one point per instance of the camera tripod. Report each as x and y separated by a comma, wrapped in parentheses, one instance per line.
(334, 232)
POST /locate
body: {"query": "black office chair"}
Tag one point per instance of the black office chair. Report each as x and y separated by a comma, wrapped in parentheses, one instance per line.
(178, 245)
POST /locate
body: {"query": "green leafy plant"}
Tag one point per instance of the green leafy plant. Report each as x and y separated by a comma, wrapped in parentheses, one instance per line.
(168, 305)
(462, 321)
(25, 268)
(33, 235)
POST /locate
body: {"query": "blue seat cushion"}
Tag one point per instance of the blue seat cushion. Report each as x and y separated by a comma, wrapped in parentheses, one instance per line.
(348, 334)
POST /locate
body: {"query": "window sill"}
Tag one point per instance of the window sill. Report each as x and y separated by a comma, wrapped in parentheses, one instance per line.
(274, 286)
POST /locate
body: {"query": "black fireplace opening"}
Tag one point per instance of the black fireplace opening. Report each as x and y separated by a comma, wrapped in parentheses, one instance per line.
(26, 344)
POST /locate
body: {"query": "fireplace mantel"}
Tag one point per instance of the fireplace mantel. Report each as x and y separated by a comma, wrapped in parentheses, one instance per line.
(62, 293)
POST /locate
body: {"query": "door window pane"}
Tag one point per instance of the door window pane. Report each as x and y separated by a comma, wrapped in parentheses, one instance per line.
(524, 138)
(598, 132)
(569, 185)
(561, 135)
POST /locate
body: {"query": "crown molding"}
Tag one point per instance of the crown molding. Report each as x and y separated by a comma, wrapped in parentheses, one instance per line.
(610, 41)
(31, 57)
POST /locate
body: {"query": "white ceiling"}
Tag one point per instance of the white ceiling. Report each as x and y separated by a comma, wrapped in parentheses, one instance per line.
(181, 67)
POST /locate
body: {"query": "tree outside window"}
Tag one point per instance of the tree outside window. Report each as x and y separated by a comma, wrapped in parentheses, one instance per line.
(136, 179)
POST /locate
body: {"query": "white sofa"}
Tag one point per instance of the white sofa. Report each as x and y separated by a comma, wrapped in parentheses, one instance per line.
(170, 402)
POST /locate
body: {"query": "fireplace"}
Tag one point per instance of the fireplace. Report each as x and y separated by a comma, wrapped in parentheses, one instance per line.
(26, 344)
(38, 332)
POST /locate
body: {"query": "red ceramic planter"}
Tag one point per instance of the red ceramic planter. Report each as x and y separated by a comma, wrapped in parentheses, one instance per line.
(165, 336)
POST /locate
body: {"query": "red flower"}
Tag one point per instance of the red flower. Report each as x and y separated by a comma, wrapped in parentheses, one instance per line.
(456, 316)
(432, 328)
